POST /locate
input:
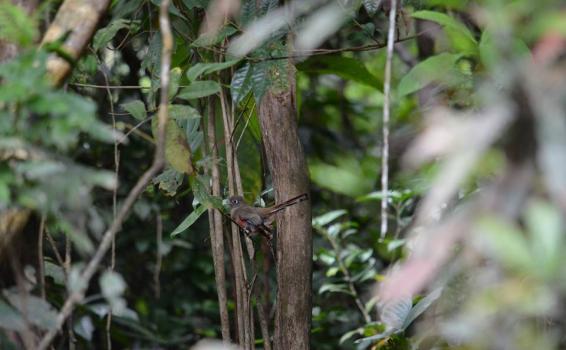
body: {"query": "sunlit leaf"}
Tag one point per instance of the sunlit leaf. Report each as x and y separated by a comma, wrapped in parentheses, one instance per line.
(327, 218)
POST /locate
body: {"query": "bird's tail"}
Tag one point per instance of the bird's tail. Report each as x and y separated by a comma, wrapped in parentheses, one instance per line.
(289, 202)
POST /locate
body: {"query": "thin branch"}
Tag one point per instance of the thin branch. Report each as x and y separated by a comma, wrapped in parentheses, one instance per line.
(56, 252)
(386, 117)
(40, 262)
(216, 226)
(114, 190)
(159, 256)
(77, 295)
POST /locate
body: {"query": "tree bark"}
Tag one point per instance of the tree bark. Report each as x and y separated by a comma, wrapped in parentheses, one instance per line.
(288, 168)
(217, 228)
(76, 20)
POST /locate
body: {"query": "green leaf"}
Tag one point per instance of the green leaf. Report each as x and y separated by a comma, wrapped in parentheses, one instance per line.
(440, 68)
(169, 181)
(189, 220)
(421, 307)
(348, 176)
(205, 39)
(394, 313)
(177, 150)
(10, 319)
(112, 285)
(371, 6)
(199, 89)
(241, 84)
(16, 25)
(334, 288)
(38, 311)
(183, 112)
(506, 243)
(104, 35)
(344, 67)
(136, 108)
(206, 68)
(174, 81)
(260, 79)
(461, 37)
(544, 223)
(327, 218)
(331, 272)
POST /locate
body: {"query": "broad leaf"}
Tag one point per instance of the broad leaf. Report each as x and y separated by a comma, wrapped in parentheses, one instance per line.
(345, 67)
(241, 84)
(461, 37)
(136, 108)
(440, 68)
(206, 68)
(327, 218)
(189, 220)
(105, 35)
(199, 89)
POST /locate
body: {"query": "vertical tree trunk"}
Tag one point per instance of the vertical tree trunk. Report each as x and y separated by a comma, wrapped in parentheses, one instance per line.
(287, 164)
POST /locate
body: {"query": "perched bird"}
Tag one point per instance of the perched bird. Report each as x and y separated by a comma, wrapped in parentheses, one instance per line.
(258, 220)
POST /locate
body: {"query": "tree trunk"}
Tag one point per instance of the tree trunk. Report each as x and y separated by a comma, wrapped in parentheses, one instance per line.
(287, 164)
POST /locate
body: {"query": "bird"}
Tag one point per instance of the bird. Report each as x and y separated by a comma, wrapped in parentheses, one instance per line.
(255, 220)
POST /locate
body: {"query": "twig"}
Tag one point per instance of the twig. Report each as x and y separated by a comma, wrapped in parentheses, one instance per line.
(77, 296)
(386, 114)
(159, 256)
(40, 262)
(67, 268)
(114, 191)
(56, 252)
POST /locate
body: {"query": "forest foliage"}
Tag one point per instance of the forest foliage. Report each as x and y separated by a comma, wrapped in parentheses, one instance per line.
(476, 201)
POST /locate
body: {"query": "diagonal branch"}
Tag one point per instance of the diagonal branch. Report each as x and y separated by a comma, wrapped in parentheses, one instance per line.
(386, 114)
(77, 295)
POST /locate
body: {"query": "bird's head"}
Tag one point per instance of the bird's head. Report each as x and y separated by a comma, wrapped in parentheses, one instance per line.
(236, 201)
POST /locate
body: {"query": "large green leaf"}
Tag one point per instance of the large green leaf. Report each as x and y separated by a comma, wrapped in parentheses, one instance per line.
(136, 108)
(104, 35)
(177, 151)
(461, 37)
(206, 68)
(241, 84)
(441, 68)
(199, 89)
(348, 175)
(345, 67)
(189, 220)
(206, 39)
